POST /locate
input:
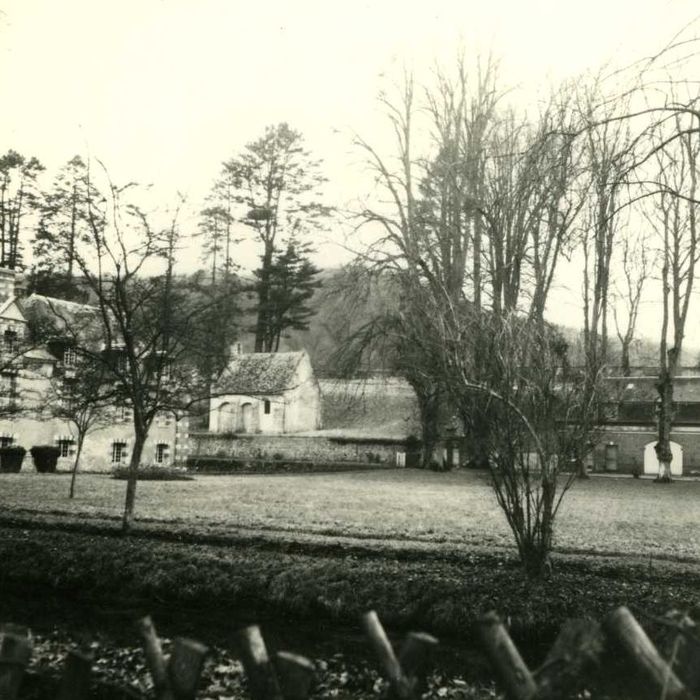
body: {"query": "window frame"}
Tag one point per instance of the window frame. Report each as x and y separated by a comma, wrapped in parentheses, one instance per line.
(118, 449)
(65, 445)
(70, 357)
(162, 452)
(10, 341)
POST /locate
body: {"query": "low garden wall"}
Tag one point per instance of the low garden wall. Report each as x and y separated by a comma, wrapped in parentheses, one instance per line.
(250, 452)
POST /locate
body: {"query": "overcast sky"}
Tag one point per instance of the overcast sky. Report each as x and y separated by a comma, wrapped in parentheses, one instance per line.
(164, 90)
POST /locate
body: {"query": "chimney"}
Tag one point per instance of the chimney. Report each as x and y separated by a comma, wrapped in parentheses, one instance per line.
(8, 284)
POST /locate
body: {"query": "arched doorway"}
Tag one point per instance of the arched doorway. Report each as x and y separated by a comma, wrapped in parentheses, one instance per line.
(247, 418)
(651, 464)
(227, 418)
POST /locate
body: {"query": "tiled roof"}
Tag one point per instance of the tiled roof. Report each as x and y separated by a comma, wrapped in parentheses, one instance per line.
(686, 389)
(260, 373)
(60, 311)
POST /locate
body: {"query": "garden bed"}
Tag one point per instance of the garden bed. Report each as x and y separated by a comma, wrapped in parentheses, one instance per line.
(307, 602)
(441, 595)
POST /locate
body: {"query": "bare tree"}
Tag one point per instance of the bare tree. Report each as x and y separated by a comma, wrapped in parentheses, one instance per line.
(541, 416)
(675, 220)
(431, 230)
(145, 322)
(81, 395)
(609, 149)
(636, 264)
(489, 220)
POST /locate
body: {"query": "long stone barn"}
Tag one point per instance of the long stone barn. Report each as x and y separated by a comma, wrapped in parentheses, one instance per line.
(630, 430)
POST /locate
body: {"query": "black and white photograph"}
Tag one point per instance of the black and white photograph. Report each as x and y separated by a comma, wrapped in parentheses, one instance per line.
(349, 350)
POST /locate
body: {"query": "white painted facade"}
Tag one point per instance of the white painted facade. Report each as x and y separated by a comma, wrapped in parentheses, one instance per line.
(27, 382)
(288, 403)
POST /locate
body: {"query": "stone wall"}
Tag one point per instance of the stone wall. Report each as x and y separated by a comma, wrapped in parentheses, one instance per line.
(295, 447)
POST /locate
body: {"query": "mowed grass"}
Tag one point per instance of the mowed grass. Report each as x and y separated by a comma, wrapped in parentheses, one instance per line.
(601, 515)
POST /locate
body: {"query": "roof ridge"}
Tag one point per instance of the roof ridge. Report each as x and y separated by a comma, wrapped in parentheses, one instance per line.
(68, 302)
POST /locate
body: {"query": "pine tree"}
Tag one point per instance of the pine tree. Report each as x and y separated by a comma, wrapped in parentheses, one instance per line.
(272, 187)
(292, 281)
(69, 212)
(19, 198)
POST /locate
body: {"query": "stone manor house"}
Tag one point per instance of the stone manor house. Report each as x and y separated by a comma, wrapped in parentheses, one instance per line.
(27, 378)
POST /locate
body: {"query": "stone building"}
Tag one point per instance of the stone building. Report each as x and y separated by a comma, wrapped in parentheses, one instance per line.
(29, 374)
(365, 422)
(266, 393)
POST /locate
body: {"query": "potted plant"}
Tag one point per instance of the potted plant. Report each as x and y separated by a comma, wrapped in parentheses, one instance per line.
(11, 458)
(45, 458)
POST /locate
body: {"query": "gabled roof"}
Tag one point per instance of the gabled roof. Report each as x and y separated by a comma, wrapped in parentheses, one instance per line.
(260, 373)
(9, 309)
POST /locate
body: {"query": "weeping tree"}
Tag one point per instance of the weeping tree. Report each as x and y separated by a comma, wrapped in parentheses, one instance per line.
(476, 227)
(394, 338)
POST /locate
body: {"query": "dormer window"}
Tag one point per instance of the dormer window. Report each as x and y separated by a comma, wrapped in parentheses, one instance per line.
(159, 365)
(10, 341)
(70, 357)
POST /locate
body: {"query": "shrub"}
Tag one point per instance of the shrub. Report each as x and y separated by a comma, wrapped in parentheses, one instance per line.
(153, 472)
(437, 466)
(11, 458)
(238, 465)
(45, 458)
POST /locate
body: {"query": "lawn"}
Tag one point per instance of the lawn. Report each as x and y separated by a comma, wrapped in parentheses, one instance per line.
(602, 515)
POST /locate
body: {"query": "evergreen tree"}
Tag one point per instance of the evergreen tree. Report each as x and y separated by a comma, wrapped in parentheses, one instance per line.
(215, 230)
(68, 212)
(19, 198)
(291, 280)
(272, 187)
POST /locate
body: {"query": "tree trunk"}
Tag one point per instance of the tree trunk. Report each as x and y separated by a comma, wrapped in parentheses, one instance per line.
(625, 359)
(663, 445)
(261, 326)
(581, 471)
(428, 405)
(127, 520)
(79, 449)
